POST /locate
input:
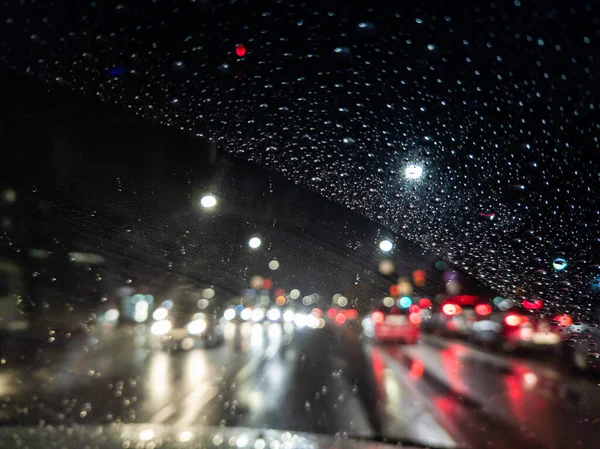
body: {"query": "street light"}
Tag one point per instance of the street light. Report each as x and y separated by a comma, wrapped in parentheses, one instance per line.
(386, 246)
(254, 242)
(208, 201)
(413, 171)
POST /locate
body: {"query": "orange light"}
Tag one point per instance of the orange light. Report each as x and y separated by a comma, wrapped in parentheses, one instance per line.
(419, 278)
(451, 309)
(340, 318)
(513, 320)
(350, 314)
(280, 300)
(378, 317)
(483, 309)
(394, 291)
(414, 318)
(417, 369)
(425, 303)
(564, 320)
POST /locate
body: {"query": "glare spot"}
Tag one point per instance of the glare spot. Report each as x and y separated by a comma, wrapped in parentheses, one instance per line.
(184, 436)
(254, 242)
(386, 246)
(208, 201)
(146, 434)
(413, 172)
(273, 265)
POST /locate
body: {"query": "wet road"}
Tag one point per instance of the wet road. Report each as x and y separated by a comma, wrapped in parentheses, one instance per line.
(326, 381)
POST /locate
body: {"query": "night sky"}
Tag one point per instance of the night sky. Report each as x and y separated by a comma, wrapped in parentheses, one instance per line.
(497, 103)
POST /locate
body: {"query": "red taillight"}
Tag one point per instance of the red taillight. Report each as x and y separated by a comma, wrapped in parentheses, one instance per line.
(240, 50)
(451, 309)
(378, 317)
(483, 309)
(414, 318)
(513, 320)
(532, 304)
(564, 320)
(414, 309)
(331, 313)
(425, 303)
(340, 318)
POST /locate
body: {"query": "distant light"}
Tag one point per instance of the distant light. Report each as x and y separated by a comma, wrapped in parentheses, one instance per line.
(140, 313)
(161, 327)
(160, 314)
(208, 293)
(111, 315)
(203, 303)
(532, 303)
(483, 309)
(273, 314)
(288, 316)
(559, 264)
(451, 309)
(208, 201)
(342, 301)
(413, 172)
(512, 320)
(386, 246)
(299, 320)
(378, 316)
(254, 242)
(146, 434)
(273, 265)
(258, 315)
(405, 302)
(196, 327)
(388, 301)
(295, 293)
(229, 314)
(280, 300)
(386, 267)
(246, 314)
(425, 303)
(414, 318)
(240, 50)
(184, 436)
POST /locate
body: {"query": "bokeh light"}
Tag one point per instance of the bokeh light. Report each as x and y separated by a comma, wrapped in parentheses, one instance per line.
(208, 201)
(413, 172)
(295, 293)
(240, 50)
(405, 302)
(254, 242)
(559, 264)
(386, 246)
(273, 265)
(388, 301)
(386, 267)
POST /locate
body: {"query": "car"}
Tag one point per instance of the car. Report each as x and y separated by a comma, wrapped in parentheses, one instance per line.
(583, 348)
(179, 324)
(392, 324)
(457, 316)
(517, 330)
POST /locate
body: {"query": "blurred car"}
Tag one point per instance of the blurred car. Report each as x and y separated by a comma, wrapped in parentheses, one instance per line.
(583, 347)
(457, 315)
(512, 330)
(181, 325)
(392, 324)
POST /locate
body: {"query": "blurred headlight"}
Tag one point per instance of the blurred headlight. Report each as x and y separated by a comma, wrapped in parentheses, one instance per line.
(229, 314)
(273, 314)
(161, 327)
(196, 327)
(111, 315)
(160, 314)
(246, 314)
(258, 314)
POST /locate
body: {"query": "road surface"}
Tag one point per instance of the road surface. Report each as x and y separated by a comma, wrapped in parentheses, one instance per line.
(444, 393)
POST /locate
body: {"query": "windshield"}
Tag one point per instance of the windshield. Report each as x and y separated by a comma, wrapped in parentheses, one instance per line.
(357, 220)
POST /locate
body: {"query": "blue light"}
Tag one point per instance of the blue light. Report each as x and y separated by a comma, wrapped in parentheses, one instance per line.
(405, 302)
(559, 264)
(239, 308)
(116, 71)
(596, 284)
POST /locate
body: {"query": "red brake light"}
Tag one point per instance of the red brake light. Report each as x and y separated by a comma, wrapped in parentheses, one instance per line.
(414, 309)
(451, 309)
(414, 318)
(483, 309)
(378, 317)
(513, 320)
(533, 304)
(340, 318)
(331, 313)
(425, 303)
